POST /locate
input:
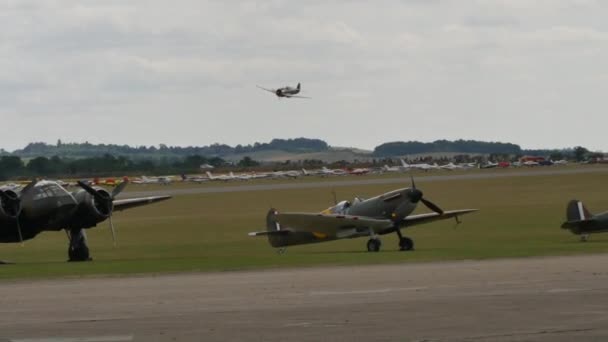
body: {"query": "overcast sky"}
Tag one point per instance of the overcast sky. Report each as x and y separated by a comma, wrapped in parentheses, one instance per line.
(185, 72)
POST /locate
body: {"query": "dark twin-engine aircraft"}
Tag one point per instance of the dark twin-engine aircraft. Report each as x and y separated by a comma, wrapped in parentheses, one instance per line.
(384, 214)
(286, 91)
(47, 206)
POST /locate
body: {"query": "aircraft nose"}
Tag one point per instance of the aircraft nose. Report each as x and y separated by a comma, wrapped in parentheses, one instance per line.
(415, 195)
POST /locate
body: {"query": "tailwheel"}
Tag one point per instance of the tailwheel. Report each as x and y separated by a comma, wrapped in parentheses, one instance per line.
(406, 244)
(78, 250)
(373, 245)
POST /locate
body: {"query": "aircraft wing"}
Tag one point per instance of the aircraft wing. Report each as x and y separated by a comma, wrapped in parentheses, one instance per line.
(270, 90)
(298, 96)
(329, 224)
(430, 217)
(129, 203)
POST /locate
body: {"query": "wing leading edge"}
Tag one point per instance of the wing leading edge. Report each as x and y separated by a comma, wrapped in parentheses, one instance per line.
(123, 204)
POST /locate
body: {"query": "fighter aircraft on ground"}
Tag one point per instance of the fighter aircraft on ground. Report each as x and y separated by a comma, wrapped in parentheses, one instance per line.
(581, 222)
(46, 206)
(384, 214)
(286, 91)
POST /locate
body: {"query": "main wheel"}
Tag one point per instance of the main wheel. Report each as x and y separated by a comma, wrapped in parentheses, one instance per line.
(406, 244)
(373, 245)
(78, 249)
(80, 253)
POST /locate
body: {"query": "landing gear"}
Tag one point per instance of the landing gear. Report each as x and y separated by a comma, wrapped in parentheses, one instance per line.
(373, 245)
(78, 250)
(584, 237)
(405, 243)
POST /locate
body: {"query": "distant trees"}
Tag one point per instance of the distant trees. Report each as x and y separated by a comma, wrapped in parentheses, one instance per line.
(580, 153)
(400, 148)
(84, 150)
(12, 167)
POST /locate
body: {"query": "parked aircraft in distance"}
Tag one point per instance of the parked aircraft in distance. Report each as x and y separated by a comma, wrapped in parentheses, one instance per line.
(194, 179)
(47, 206)
(358, 171)
(384, 214)
(164, 180)
(224, 178)
(421, 166)
(488, 165)
(451, 167)
(286, 91)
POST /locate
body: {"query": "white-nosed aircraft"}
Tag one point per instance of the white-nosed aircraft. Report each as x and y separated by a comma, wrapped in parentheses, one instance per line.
(286, 91)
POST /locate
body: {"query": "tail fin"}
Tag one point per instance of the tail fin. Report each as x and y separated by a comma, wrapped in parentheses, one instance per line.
(576, 211)
(298, 87)
(209, 175)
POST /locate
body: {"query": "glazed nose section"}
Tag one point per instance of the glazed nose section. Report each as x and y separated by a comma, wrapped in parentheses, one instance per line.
(415, 195)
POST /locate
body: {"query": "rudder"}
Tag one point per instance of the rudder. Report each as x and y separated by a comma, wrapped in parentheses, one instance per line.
(576, 211)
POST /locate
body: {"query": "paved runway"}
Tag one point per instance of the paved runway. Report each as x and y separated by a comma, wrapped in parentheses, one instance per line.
(357, 180)
(537, 299)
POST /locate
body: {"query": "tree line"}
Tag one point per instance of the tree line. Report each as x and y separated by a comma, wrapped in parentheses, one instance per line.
(13, 167)
(83, 150)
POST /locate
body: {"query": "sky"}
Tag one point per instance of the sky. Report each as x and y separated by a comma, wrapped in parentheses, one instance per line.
(184, 72)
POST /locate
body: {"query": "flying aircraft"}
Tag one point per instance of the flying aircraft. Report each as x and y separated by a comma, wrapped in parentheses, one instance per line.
(581, 222)
(47, 206)
(384, 214)
(286, 91)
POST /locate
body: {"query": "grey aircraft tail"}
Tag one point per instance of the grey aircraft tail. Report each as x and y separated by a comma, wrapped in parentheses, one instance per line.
(298, 87)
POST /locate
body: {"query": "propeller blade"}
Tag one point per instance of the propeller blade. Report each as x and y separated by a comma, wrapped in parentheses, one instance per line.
(113, 231)
(432, 206)
(88, 188)
(413, 183)
(29, 186)
(119, 188)
(333, 192)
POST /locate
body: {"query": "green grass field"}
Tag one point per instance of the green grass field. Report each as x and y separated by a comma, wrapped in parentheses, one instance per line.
(518, 217)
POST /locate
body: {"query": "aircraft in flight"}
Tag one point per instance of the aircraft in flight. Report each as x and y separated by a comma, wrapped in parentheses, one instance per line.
(286, 91)
(383, 214)
(581, 222)
(47, 206)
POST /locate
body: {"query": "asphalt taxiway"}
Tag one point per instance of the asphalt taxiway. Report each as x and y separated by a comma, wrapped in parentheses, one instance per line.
(535, 299)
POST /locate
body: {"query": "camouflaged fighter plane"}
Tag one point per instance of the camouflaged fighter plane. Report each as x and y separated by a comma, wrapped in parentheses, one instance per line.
(384, 214)
(581, 222)
(286, 91)
(47, 206)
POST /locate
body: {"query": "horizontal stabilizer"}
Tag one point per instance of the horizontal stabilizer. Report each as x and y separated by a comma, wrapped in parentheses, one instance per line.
(268, 233)
(576, 223)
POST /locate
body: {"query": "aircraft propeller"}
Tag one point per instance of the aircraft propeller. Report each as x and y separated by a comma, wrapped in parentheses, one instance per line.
(416, 196)
(106, 200)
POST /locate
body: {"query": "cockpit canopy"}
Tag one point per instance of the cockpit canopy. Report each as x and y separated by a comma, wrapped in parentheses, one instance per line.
(339, 209)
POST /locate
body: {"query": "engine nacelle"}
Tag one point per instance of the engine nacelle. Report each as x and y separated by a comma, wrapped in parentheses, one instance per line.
(91, 211)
